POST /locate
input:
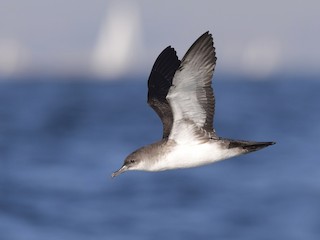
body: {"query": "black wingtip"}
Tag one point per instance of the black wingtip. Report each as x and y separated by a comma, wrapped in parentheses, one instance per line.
(207, 34)
(205, 45)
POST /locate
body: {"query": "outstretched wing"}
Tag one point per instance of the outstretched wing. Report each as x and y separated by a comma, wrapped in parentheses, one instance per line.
(191, 96)
(160, 80)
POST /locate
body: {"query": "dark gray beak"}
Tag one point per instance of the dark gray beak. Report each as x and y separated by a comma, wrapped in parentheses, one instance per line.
(118, 172)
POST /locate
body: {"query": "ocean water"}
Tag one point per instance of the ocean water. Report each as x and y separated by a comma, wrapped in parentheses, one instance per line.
(61, 140)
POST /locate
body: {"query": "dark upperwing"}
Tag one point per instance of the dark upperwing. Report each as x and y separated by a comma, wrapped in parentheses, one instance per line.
(159, 82)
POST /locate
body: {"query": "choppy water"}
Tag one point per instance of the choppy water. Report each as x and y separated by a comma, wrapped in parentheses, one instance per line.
(60, 141)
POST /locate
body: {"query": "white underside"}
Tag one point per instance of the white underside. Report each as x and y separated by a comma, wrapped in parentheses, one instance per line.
(187, 156)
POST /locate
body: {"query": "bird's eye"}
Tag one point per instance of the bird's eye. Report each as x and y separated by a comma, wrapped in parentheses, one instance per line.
(132, 161)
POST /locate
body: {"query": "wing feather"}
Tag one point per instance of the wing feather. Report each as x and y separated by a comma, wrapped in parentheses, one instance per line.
(159, 82)
(191, 96)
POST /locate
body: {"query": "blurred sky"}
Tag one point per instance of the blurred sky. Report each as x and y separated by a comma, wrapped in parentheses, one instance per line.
(113, 39)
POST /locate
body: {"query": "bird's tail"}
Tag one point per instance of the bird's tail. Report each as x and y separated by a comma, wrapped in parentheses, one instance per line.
(248, 146)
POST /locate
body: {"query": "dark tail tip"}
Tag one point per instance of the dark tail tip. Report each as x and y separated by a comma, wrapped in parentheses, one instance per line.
(257, 146)
(250, 146)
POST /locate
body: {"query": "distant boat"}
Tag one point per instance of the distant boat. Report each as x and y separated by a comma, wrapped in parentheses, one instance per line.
(118, 41)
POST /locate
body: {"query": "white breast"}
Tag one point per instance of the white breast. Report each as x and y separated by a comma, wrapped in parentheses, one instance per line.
(186, 156)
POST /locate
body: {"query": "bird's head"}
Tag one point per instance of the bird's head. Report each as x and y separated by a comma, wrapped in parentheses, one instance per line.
(133, 162)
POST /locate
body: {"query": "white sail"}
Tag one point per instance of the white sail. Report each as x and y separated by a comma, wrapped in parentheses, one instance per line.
(118, 39)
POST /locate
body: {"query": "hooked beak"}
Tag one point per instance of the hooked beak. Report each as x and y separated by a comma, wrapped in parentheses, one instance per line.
(118, 172)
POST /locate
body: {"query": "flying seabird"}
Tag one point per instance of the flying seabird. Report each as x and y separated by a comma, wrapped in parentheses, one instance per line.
(180, 93)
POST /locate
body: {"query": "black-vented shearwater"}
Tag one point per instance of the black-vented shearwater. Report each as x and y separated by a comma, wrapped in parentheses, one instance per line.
(180, 92)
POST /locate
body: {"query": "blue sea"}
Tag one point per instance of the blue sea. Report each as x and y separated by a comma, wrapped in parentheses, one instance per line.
(60, 140)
